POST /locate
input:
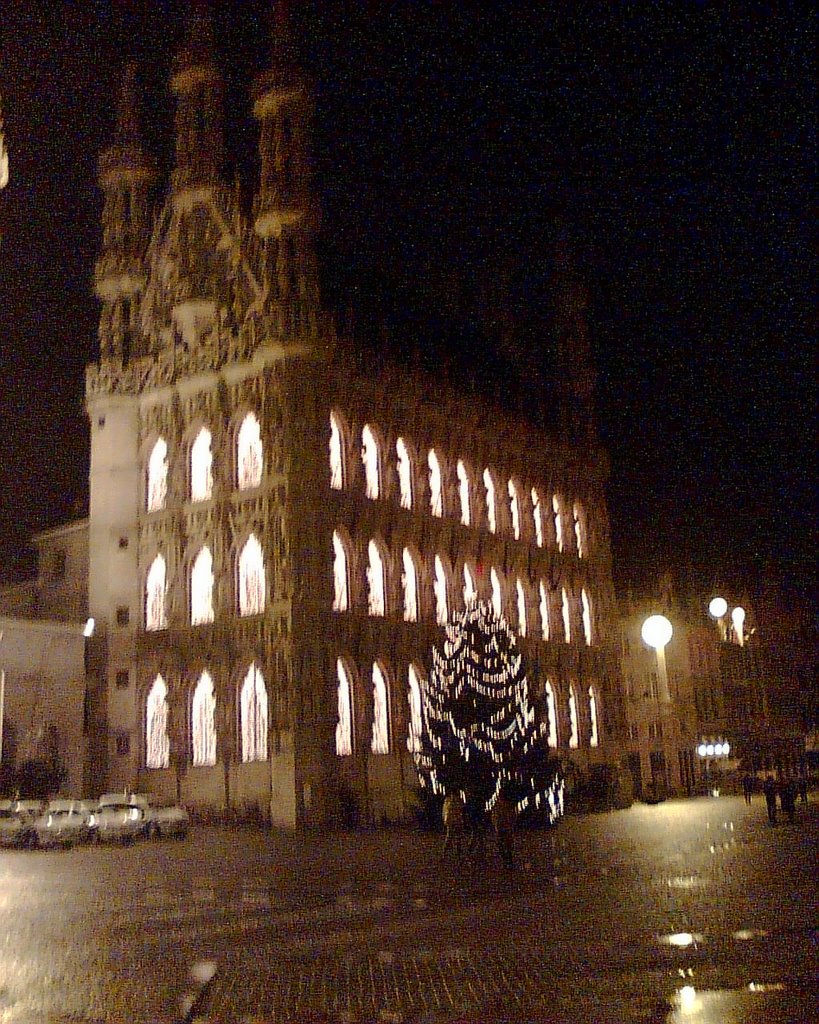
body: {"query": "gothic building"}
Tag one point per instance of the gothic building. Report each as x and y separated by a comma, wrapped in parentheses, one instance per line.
(275, 536)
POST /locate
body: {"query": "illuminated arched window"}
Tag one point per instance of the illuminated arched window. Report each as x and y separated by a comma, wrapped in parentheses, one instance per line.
(497, 596)
(544, 610)
(341, 576)
(201, 467)
(344, 729)
(436, 491)
(521, 608)
(594, 736)
(203, 722)
(409, 584)
(463, 491)
(551, 711)
(404, 466)
(537, 517)
(381, 716)
(440, 588)
(336, 455)
(251, 578)
(249, 453)
(587, 616)
(253, 703)
(157, 745)
(470, 592)
(574, 733)
(567, 618)
(491, 517)
(415, 715)
(156, 616)
(157, 476)
(514, 509)
(370, 459)
(558, 518)
(202, 588)
(579, 529)
(376, 604)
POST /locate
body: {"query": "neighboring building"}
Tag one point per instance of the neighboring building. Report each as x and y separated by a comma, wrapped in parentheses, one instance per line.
(275, 537)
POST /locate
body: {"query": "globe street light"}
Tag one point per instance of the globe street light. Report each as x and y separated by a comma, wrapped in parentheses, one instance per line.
(717, 609)
(656, 632)
(738, 619)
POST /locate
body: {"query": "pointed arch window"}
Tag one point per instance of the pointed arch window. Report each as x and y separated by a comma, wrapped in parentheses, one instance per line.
(251, 578)
(202, 466)
(514, 508)
(594, 735)
(489, 485)
(203, 721)
(253, 705)
(470, 591)
(579, 529)
(341, 575)
(537, 518)
(404, 466)
(440, 587)
(567, 618)
(436, 493)
(415, 715)
(409, 584)
(574, 732)
(544, 611)
(463, 492)
(370, 459)
(587, 616)
(376, 604)
(551, 712)
(558, 520)
(156, 616)
(344, 728)
(202, 588)
(249, 453)
(521, 594)
(380, 743)
(157, 476)
(497, 596)
(157, 745)
(336, 457)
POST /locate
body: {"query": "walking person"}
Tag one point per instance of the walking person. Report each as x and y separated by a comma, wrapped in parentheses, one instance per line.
(503, 822)
(787, 798)
(748, 787)
(769, 789)
(803, 786)
(454, 816)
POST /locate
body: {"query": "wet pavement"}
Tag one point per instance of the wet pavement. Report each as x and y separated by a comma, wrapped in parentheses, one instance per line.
(690, 911)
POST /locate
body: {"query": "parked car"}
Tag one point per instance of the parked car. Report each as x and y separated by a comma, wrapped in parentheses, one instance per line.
(17, 822)
(161, 818)
(116, 819)
(63, 823)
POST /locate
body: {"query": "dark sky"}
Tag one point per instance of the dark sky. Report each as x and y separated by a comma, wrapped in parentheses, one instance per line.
(676, 141)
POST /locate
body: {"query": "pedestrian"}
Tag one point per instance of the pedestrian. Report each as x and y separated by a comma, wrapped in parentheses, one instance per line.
(803, 786)
(787, 798)
(747, 786)
(769, 789)
(503, 822)
(454, 824)
(476, 824)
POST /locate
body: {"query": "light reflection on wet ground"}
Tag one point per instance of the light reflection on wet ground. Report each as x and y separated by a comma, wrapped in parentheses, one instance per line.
(756, 1003)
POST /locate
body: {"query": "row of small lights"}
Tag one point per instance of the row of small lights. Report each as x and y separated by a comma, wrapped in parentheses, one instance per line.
(714, 749)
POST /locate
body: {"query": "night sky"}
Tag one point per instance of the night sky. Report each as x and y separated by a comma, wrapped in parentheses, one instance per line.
(674, 143)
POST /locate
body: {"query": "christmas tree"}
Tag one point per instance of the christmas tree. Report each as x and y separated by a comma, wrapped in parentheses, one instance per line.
(479, 731)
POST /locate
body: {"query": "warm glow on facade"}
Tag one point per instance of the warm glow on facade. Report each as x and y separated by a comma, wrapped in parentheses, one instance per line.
(344, 728)
(440, 587)
(336, 460)
(381, 737)
(463, 491)
(252, 588)
(341, 592)
(249, 454)
(409, 584)
(370, 459)
(491, 517)
(253, 703)
(202, 467)
(436, 496)
(203, 724)
(376, 604)
(157, 745)
(404, 468)
(155, 612)
(202, 588)
(157, 477)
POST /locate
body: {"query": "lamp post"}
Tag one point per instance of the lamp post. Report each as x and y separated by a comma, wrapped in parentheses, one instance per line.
(656, 632)
(717, 608)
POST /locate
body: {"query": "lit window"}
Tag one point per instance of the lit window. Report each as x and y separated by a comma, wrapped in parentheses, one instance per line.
(404, 473)
(375, 581)
(537, 517)
(497, 598)
(201, 467)
(579, 529)
(436, 495)
(336, 460)
(587, 618)
(551, 711)
(253, 701)
(203, 725)
(381, 737)
(249, 453)
(463, 491)
(415, 717)
(489, 484)
(574, 735)
(409, 584)
(251, 578)
(155, 613)
(441, 604)
(344, 729)
(158, 476)
(514, 508)
(567, 619)
(341, 593)
(521, 609)
(202, 588)
(369, 457)
(157, 746)
(594, 738)
(558, 522)
(544, 610)
(470, 593)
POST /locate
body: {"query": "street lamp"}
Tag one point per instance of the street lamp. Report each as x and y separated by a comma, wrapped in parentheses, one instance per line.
(656, 632)
(738, 619)
(717, 609)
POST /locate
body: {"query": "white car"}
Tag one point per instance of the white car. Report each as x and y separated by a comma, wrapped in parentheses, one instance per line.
(116, 819)
(17, 821)
(63, 823)
(161, 819)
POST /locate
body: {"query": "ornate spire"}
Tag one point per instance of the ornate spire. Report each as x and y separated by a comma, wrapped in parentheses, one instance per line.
(575, 367)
